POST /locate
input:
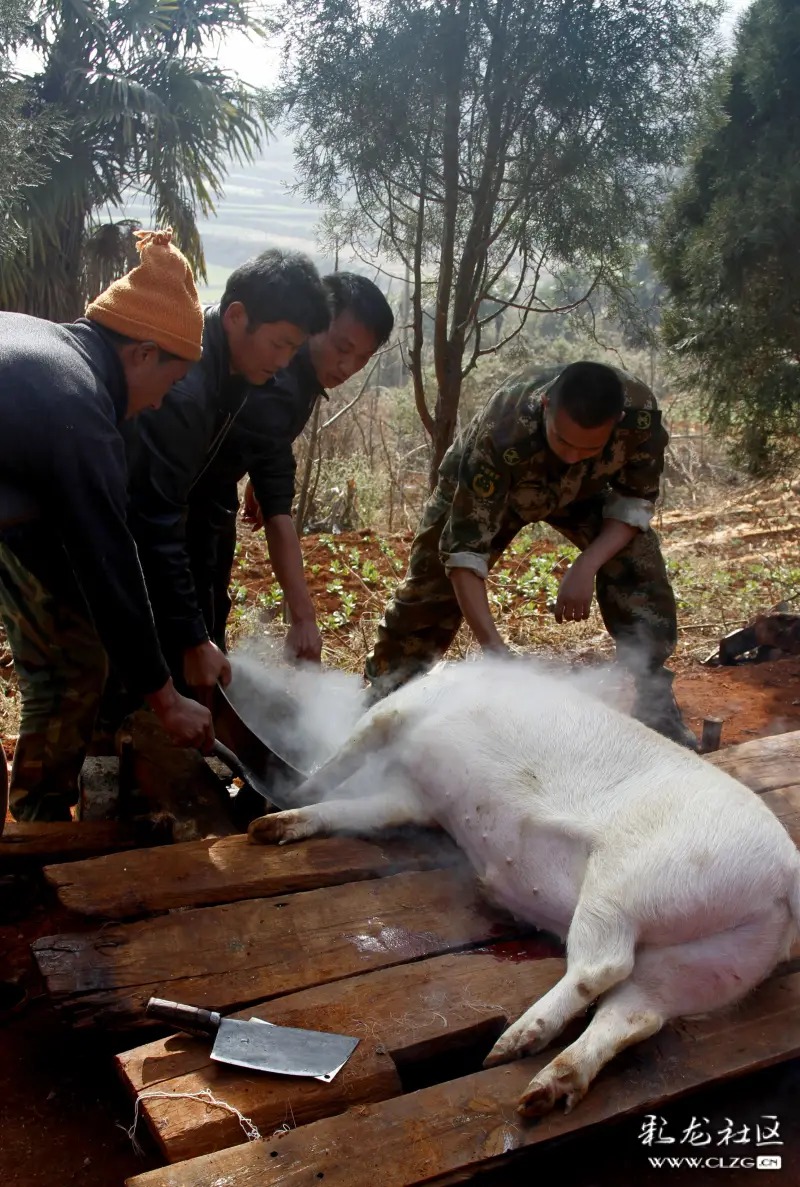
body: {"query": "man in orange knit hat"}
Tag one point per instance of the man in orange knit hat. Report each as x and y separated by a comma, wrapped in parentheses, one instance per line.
(72, 595)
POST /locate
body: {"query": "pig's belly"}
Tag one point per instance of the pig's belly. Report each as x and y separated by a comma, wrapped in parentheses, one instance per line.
(537, 878)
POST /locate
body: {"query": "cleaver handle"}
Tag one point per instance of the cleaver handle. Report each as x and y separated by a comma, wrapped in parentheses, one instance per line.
(192, 1019)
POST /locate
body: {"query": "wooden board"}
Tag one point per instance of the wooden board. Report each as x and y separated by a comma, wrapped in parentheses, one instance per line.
(408, 1013)
(410, 1009)
(224, 957)
(46, 842)
(460, 1126)
(764, 763)
(199, 873)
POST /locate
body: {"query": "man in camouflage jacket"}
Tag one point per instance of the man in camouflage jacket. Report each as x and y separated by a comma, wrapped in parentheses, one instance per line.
(580, 448)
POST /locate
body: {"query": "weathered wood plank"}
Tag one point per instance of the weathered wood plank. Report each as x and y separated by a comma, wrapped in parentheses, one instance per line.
(406, 1006)
(463, 1125)
(46, 842)
(785, 803)
(200, 873)
(227, 956)
(763, 764)
(410, 1012)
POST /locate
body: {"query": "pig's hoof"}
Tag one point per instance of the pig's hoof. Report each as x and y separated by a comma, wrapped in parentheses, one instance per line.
(278, 828)
(516, 1044)
(553, 1082)
(537, 1099)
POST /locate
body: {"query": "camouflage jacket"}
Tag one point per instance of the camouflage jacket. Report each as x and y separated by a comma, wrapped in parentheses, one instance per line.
(501, 463)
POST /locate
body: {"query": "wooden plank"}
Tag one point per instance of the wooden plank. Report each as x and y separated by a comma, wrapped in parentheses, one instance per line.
(227, 956)
(46, 842)
(785, 803)
(410, 1013)
(763, 764)
(200, 873)
(407, 1007)
(464, 1125)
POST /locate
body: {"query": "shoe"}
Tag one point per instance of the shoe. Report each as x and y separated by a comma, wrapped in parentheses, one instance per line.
(655, 706)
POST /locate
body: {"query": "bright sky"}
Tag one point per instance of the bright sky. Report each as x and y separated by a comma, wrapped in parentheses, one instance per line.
(257, 63)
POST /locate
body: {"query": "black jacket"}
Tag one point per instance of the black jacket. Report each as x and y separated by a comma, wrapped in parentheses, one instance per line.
(259, 444)
(168, 451)
(62, 398)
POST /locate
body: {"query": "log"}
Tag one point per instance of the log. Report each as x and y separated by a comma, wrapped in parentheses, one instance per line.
(411, 1013)
(200, 873)
(228, 956)
(462, 1126)
(763, 764)
(174, 783)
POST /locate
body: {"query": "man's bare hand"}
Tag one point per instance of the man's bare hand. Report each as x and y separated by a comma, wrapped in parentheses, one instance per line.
(304, 641)
(252, 509)
(204, 665)
(186, 722)
(575, 593)
(497, 648)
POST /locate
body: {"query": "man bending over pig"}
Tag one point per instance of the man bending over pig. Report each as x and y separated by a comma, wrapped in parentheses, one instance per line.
(580, 448)
(72, 594)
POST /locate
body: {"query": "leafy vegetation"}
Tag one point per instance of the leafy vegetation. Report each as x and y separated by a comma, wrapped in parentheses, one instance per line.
(140, 109)
(483, 147)
(729, 246)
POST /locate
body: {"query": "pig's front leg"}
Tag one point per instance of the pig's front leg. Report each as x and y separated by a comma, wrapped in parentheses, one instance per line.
(389, 809)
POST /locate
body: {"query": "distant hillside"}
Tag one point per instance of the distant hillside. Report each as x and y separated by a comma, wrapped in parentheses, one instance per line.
(256, 212)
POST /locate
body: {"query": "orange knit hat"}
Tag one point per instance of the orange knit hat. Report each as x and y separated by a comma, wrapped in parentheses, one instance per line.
(156, 301)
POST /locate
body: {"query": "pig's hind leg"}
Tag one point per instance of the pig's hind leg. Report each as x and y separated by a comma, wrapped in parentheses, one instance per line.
(601, 946)
(692, 978)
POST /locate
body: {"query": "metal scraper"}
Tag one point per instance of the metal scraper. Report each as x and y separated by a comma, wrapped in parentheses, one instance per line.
(258, 1045)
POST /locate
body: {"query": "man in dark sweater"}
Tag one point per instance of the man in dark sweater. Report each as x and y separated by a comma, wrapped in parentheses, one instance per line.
(71, 588)
(260, 444)
(184, 502)
(270, 305)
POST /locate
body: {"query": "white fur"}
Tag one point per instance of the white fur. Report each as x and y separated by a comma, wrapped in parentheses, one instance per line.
(676, 889)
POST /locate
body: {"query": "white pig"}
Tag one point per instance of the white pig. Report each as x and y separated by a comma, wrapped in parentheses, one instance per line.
(676, 889)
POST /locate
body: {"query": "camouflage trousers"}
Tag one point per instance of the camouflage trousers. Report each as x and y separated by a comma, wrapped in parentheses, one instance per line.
(61, 669)
(633, 593)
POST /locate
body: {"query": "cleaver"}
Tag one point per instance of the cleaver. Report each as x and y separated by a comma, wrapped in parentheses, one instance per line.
(259, 1045)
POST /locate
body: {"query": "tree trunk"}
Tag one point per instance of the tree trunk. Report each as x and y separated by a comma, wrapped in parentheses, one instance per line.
(447, 361)
(305, 486)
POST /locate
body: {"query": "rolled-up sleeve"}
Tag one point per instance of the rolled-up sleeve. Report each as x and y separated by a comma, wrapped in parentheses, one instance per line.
(634, 489)
(481, 494)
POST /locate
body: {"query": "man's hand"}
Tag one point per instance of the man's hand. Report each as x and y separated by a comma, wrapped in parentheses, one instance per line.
(497, 647)
(575, 593)
(252, 508)
(186, 722)
(204, 665)
(304, 641)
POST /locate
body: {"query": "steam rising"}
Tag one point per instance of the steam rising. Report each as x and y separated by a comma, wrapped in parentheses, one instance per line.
(303, 713)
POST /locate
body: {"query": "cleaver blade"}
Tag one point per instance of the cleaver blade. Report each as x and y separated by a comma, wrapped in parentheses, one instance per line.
(259, 1045)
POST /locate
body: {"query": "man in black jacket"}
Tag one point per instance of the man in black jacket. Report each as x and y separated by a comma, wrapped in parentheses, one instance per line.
(260, 444)
(270, 305)
(71, 589)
